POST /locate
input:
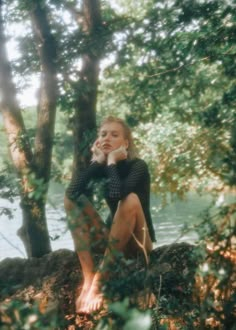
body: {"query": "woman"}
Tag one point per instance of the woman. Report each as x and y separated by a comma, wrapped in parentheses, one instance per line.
(126, 191)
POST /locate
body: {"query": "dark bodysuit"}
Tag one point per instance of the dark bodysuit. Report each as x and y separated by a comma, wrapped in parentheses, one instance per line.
(121, 179)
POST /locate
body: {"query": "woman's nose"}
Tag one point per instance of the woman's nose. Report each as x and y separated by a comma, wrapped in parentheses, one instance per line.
(107, 137)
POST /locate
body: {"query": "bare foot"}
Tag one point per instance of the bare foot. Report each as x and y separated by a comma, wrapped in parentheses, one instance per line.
(95, 302)
(146, 300)
(94, 299)
(80, 301)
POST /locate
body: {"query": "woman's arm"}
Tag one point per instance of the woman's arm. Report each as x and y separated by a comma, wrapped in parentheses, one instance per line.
(80, 182)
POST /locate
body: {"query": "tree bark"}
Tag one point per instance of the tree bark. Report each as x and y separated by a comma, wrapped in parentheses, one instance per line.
(85, 108)
(46, 46)
(33, 169)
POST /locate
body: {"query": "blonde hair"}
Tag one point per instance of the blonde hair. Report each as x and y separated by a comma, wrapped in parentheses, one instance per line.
(132, 153)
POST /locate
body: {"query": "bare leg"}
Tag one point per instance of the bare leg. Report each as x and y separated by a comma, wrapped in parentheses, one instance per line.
(88, 232)
(128, 232)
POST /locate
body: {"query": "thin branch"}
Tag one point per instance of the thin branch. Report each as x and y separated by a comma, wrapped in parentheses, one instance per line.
(12, 245)
(184, 65)
(142, 245)
(159, 289)
(178, 68)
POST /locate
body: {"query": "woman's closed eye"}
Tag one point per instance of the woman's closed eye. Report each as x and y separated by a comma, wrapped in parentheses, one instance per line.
(113, 134)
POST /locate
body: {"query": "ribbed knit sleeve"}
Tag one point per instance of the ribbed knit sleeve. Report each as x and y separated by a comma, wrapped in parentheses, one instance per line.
(118, 188)
(81, 181)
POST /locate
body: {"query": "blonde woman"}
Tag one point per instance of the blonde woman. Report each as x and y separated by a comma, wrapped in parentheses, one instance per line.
(127, 194)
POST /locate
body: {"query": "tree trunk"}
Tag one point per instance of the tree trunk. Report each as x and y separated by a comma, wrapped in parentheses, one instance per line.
(33, 170)
(85, 112)
(34, 232)
(46, 46)
(44, 134)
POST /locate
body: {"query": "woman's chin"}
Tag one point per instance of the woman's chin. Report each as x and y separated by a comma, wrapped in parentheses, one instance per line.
(106, 151)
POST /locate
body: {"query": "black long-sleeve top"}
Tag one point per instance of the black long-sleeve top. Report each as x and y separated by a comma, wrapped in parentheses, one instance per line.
(121, 179)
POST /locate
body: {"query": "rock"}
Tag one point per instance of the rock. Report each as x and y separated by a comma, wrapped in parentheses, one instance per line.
(51, 281)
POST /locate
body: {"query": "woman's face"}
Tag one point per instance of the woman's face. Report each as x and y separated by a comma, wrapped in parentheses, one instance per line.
(111, 137)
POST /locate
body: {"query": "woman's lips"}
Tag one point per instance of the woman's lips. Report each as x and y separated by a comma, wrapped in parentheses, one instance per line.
(106, 145)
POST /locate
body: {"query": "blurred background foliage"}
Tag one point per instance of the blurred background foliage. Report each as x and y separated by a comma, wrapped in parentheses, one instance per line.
(168, 68)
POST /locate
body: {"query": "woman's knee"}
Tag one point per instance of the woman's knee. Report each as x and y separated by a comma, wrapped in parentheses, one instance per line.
(131, 202)
(133, 199)
(72, 212)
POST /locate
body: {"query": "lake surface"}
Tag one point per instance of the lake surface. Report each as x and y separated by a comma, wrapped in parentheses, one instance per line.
(168, 222)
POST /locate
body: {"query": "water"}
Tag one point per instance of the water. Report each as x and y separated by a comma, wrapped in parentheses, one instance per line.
(168, 222)
(10, 243)
(171, 220)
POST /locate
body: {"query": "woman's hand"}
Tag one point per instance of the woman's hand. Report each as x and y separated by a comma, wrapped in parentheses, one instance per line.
(98, 154)
(116, 155)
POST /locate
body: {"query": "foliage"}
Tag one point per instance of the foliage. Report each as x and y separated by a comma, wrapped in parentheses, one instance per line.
(8, 187)
(18, 315)
(178, 155)
(169, 69)
(215, 294)
(163, 66)
(174, 66)
(160, 61)
(125, 318)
